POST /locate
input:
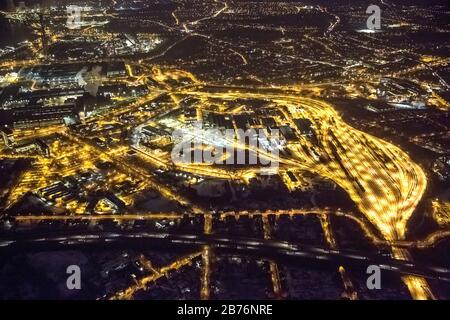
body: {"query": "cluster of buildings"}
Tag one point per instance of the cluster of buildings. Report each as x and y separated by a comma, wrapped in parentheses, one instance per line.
(24, 109)
(402, 93)
(129, 43)
(442, 167)
(70, 74)
(71, 91)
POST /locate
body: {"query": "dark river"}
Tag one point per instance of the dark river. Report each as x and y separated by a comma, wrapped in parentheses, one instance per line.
(12, 33)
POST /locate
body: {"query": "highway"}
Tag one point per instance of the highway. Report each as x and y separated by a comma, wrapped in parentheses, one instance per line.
(429, 241)
(262, 247)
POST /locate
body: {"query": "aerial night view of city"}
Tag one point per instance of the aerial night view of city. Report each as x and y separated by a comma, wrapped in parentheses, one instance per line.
(203, 151)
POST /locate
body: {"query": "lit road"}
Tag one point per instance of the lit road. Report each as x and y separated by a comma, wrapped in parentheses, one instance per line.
(128, 293)
(270, 248)
(429, 241)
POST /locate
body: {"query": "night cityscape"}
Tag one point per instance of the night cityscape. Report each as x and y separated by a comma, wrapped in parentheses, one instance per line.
(224, 150)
